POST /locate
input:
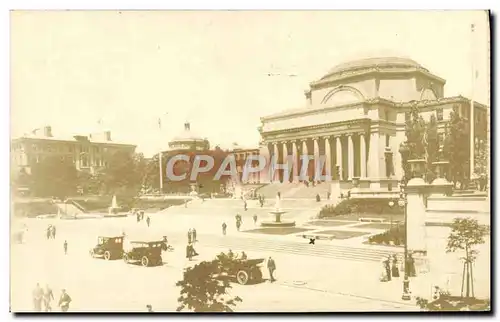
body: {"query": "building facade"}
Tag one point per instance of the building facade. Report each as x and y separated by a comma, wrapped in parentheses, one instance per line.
(88, 153)
(355, 118)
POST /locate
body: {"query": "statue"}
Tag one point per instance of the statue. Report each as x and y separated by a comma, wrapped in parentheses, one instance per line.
(277, 205)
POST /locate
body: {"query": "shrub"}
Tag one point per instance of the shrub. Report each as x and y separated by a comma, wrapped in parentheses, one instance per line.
(361, 206)
(396, 235)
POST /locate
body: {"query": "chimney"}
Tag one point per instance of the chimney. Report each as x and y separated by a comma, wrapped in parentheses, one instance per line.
(107, 135)
(186, 126)
(47, 131)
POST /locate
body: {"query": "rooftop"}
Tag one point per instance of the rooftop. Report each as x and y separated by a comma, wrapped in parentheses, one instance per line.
(374, 62)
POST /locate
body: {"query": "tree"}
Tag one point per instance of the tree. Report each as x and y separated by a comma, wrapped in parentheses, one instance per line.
(205, 287)
(456, 147)
(124, 173)
(465, 234)
(54, 176)
(481, 159)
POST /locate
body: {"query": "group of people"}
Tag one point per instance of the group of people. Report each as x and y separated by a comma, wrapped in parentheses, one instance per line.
(51, 232)
(192, 239)
(391, 269)
(140, 217)
(42, 299)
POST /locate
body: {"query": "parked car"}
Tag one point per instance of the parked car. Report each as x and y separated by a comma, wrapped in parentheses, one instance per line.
(243, 271)
(108, 248)
(148, 253)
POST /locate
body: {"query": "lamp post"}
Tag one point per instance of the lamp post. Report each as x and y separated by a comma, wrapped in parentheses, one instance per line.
(404, 150)
(403, 202)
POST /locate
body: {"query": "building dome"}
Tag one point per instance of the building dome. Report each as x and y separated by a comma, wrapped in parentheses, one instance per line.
(188, 139)
(369, 63)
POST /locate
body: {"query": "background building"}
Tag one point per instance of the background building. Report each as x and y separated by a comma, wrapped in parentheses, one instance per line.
(355, 116)
(88, 153)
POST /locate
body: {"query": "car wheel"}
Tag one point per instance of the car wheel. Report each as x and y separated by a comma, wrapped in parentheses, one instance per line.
(145, 261)
(257, 275)
(125, 258)
(242, 277)
(107, 255)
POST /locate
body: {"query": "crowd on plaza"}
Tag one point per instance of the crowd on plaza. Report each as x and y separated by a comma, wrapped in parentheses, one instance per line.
(391, 267)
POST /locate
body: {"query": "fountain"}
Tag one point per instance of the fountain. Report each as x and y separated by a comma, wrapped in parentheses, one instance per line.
(113, 210)
(278, 212)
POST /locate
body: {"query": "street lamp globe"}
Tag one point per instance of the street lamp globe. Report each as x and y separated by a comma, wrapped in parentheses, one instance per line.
(401, 202)
(391, 203)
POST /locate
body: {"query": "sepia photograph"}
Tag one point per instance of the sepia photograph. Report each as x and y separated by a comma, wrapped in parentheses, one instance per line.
(249, 161)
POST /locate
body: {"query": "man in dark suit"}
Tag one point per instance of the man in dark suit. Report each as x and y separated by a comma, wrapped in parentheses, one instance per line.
(271, 266)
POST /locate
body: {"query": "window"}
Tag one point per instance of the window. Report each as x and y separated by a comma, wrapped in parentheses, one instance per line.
(439, 114)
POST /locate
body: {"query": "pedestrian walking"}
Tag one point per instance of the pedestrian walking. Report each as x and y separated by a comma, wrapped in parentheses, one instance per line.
(65, 245)
(190, 236)
(224, 228)
(395, 268)
(37, 298)
(148, 221)
(271, 266)
(64, 301)
(54, 232)
(387, 266)
(49, 232)
(149, 308)
(255, 219)
(193, 233)
(238, 225)
(48, 296)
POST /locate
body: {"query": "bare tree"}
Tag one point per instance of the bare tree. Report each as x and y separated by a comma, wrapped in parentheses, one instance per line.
(465, 234)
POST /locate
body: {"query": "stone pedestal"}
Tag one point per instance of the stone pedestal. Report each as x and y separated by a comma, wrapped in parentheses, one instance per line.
(416, 190)
(440, 186)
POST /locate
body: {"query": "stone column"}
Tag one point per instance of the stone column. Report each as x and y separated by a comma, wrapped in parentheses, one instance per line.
(350, 158)
(303, 172)
(316, 163)
(373, 157)
(362, 154)
(338, 145)
(295, 169)
(328, 155)
(286, 172)
(275, 175)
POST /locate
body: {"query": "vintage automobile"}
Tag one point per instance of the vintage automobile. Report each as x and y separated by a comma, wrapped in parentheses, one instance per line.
(108, 248)
(148, 253)
(242, 270)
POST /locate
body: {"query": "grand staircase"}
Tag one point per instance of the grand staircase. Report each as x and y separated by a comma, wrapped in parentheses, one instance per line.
(295, 190)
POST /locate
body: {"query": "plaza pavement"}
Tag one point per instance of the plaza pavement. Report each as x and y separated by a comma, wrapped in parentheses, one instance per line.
(327, 276)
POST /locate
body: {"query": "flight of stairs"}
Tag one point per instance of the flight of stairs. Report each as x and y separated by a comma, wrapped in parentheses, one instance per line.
(301, 247)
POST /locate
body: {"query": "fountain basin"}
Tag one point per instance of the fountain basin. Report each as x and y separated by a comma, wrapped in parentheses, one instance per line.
(277, 223)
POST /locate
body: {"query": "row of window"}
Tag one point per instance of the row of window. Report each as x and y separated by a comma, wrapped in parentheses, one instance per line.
(60, 148)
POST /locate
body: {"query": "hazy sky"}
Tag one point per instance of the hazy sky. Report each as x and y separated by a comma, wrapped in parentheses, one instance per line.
(70, 69)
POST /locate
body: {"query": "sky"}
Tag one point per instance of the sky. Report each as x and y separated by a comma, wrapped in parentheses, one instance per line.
(70, 69)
